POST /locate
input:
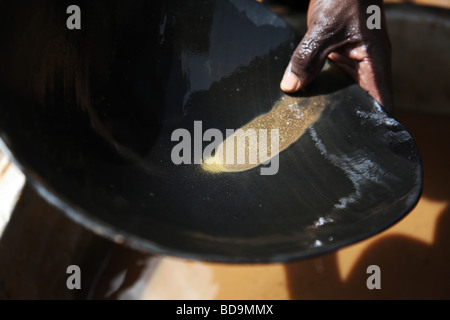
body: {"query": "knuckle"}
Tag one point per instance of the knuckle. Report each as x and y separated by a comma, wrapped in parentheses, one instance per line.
(302, 62)
(309, 47)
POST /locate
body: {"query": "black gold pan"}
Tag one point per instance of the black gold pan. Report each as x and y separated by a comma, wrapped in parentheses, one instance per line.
(89, 114)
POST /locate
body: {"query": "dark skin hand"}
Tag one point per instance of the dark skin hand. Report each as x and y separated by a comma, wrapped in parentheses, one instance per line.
(338, 30)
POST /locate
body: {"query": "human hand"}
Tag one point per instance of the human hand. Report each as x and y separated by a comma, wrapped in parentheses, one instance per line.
(338, 30)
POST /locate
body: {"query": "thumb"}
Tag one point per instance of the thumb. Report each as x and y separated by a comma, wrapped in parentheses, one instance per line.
(306, 62)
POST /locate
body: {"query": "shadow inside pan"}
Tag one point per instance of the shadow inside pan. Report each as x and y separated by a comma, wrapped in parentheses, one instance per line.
(89, 115)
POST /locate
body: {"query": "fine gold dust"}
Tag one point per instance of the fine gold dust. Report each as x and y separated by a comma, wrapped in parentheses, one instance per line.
(290, 117)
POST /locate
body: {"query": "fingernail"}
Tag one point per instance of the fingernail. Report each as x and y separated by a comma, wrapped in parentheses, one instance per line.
(290, 82)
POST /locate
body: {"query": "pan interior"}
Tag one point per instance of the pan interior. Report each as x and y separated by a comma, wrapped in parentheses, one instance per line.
(89, 116)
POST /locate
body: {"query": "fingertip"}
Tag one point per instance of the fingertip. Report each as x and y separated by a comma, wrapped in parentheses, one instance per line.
(290, 82)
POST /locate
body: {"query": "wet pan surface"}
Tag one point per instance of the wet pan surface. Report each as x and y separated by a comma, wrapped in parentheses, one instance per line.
(89, 115)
